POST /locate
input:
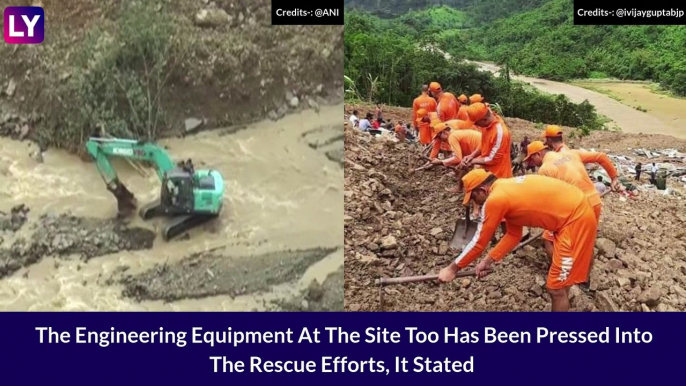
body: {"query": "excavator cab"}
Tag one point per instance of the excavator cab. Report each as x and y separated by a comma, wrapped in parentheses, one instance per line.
(177, 192)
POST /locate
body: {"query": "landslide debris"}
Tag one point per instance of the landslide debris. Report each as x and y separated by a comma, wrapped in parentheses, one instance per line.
(65, 235)
(399, 224)
(215, 272)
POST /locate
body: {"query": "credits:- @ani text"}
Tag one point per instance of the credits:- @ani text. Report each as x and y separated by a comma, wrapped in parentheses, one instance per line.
(631, 13)
(317, 13)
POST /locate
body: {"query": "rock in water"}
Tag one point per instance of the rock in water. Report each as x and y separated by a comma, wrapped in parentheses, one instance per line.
(193, 124)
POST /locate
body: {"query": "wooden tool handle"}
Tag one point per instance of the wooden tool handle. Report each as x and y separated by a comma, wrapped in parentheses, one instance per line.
(417, 279)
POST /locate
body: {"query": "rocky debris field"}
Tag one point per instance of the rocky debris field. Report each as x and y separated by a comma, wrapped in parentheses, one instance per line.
(217, 273)
(398, 224)
(63, 235)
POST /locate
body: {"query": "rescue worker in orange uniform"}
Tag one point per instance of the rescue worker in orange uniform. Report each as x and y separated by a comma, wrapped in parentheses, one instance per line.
(552, 136)
(461, 142)
(531, 201)
(569, 167)
(476, 98)
(423, 126)
(423, 101)
(494, 153)
(447, 106)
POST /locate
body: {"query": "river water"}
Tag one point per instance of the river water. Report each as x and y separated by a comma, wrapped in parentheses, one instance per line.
(280, 194)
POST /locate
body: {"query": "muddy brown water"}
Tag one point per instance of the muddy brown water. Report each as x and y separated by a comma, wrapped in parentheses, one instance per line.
(281, 194)
(656, 121)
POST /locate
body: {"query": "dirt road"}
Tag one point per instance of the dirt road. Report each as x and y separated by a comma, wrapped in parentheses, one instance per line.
(627, 118)
(279, 231)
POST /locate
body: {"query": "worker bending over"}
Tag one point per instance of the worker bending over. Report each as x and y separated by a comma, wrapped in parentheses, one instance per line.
(531, 201)
(461, 142)
(447, 106)
(568, 166)
(494, 153)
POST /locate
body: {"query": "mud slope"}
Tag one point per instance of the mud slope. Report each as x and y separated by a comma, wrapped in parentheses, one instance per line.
(397, 224)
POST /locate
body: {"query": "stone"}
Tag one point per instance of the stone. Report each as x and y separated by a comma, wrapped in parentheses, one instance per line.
(192, 124)
(436, 231)
(606, 247)
(211, 18)
(294, 102)
(651, 296)
(614, 264)
(389, 242)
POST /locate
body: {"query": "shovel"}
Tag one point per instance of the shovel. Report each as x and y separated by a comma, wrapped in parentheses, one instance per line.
(464, 231)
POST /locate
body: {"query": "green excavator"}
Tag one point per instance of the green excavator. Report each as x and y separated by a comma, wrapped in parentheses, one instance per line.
(190, 197)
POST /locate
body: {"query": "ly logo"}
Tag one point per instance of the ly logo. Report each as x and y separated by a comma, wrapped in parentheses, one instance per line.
(24, 25)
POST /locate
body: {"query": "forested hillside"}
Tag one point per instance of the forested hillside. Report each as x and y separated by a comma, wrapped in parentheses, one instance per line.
(386, 63)
(539, 38)
(545, 42)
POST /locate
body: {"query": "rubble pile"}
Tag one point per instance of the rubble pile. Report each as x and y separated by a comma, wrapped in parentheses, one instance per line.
(63, 235)
(398, 224)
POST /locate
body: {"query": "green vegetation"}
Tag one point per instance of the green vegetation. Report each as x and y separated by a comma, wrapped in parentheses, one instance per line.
(386, 66)
(538, 38)
(119, 79)
(545, 42)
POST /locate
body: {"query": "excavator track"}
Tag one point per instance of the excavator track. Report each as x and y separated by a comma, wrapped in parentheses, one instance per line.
(181, 224)
(150, 210)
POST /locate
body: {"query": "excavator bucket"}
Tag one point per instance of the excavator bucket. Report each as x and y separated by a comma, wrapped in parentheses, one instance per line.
(126, 202)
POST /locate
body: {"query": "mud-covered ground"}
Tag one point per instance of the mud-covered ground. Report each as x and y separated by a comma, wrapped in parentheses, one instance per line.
(398, 224)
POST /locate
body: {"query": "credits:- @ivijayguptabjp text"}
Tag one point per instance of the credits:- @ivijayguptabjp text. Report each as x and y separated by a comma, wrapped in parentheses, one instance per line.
(297, 12)
(623, 12)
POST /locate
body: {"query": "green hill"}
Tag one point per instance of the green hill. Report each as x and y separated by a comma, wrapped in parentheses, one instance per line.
(545, 43)
(538, 38)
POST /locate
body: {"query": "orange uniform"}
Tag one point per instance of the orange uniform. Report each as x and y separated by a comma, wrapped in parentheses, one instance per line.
(462, 142)
(537, 202)
(424, 128)
(425, 102)
(458, 124)
(569, 166)
(462, 113)
(437, 144)
(447, 107)
(495, 148)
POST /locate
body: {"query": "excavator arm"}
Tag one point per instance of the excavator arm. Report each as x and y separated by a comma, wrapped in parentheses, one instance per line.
(102, 149)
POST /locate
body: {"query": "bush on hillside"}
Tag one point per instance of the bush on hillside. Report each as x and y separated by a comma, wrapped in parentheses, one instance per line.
(120, 79)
